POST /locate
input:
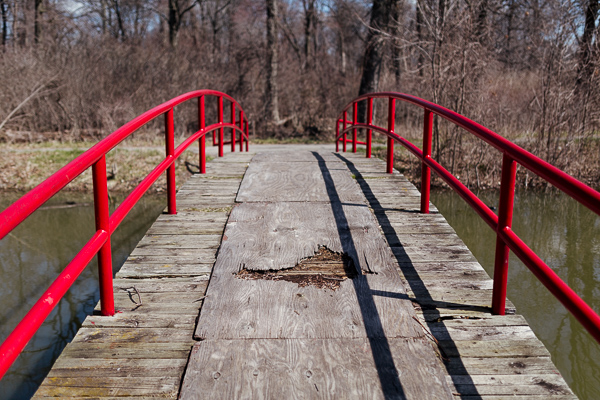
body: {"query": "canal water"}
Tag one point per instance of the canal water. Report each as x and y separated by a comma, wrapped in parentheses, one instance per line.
(566, 236)
(33, 255)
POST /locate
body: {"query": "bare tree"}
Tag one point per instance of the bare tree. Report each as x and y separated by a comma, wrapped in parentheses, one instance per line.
(271, 97)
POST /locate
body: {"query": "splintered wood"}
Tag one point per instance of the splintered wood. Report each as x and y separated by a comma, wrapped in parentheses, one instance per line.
(325, 270)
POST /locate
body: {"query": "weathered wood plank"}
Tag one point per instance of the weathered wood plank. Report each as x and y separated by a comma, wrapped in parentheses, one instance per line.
(296, 182)
(278, 236)
(109, 386)
(312, 368)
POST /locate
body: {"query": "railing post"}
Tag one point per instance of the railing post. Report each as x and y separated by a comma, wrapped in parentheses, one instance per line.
(354, 121)
(170, 147)
(391, 126)
(344, 128)
(105, 277)
(505, 214)
(370, 122)
(337, 133)
(233, 132)
(201, 126)
(221, 129)
(242, 131)
(247, 135)
(425, 171)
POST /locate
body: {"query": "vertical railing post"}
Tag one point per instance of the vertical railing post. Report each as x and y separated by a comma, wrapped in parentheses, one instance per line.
(201, 126)
(233, 132)
(505, 214)
(337, 134)
(370, 122)
(241, 131)
(247, 135)
(107, 302)
(344, 136)
(425, 171)
(170, 149)
(391, 127)
(354, 121)
(221, 130)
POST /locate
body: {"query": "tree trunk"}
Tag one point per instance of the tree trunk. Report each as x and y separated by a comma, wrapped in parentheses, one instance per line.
(586, 62)
(3, 10)
(119, 20)
(419, 28)
(395, 30)
(37, 29)
(173, 22)
(310, 21)
(373, 57)
(271, 100)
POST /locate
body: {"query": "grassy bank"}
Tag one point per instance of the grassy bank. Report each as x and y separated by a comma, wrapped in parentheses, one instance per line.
(24, 166)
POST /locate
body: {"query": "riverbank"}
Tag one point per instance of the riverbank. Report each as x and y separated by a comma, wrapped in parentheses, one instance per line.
(25, 165)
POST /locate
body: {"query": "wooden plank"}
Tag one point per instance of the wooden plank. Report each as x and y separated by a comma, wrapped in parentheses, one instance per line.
(277, 236)
(126, 335)
(180, 242)
(548, 384)
(102, 368)
(295, 182)
(312, 368)
(109, 386)
(139, 320)
(163, 270)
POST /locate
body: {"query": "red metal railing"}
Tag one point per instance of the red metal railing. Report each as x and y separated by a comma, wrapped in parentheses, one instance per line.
(106, 224)
(506, 238)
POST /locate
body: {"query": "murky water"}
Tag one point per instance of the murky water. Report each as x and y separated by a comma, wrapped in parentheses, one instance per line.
(33, 255)
(567, 237)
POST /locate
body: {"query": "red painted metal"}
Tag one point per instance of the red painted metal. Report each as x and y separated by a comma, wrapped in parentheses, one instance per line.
(221, 130)
(345, 135)
(233, 130)
(369, 122)
(202, 141)
(513, 155)
(102, 213)
(20, 336)
(425, 171)
(505, 214)
(391, 127)
(355, 120)
(247, 135)
(337, 134)
(106, 224)
(170, 149)
(241, 127)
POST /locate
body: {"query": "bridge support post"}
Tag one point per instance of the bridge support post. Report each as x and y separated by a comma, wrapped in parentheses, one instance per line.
(354, 121)
(391, 127)
(425, 171)
(233, 132)
(337, 134)
(370, 122)
(201, 126)
(505, 214)
(247, 135)
(241, 132)
(105, 277)
(170, 147)
(344, 136)
(221, 129)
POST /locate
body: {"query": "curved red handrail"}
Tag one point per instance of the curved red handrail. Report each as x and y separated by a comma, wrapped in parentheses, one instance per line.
(106, 224)
(501, 223)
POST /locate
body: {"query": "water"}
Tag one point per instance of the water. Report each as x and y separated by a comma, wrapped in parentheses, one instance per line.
(33, 255)
(566, 236)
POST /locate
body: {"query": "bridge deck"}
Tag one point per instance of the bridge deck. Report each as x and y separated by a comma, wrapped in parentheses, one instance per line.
(327, 283)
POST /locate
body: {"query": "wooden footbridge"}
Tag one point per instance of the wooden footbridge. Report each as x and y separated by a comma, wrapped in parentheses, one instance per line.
(300, 272)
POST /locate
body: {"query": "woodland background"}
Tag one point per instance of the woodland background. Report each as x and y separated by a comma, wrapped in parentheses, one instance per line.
(528, 69)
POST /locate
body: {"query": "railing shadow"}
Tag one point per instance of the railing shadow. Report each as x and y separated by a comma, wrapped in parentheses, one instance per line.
(457, 370)
(380, 347)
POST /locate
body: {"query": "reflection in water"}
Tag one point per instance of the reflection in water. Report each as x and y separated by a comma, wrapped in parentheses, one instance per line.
(566, 236)
(33, 255)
